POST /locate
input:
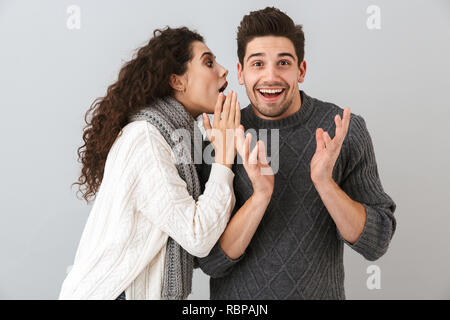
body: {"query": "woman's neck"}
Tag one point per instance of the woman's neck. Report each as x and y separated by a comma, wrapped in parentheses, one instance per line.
(193, 111)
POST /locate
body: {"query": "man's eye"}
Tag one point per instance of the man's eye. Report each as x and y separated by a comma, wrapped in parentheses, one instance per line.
(284, 63)
(257, 64)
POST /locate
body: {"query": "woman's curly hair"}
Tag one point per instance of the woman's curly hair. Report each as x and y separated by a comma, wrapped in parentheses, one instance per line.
(140, 82)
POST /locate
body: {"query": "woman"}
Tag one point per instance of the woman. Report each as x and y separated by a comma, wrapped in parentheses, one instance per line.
(149, 219)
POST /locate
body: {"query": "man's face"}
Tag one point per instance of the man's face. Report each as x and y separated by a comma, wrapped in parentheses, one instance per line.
(271, 75)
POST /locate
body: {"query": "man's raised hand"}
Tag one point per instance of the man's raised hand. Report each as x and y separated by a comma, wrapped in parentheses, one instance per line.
(327, 149)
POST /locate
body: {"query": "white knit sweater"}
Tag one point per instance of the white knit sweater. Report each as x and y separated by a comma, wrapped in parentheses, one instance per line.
(141, 202)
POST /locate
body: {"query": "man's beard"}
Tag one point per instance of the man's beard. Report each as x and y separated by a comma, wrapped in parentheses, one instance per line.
(267, 111)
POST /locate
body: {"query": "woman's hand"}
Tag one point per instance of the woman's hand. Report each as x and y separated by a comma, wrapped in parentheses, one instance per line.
(255, 163)
(227, 117)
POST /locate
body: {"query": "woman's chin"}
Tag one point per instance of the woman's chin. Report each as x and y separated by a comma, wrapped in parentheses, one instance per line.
(209, 111)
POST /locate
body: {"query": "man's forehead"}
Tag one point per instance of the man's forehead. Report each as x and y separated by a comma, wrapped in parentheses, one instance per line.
(270, 45)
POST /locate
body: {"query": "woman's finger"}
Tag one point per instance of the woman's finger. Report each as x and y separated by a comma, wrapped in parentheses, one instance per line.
(232, 111)
(237, 117)
(207, 125)
(218, 110)
(226, 106)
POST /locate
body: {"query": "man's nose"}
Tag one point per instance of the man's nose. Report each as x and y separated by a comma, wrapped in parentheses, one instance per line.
(271, 73)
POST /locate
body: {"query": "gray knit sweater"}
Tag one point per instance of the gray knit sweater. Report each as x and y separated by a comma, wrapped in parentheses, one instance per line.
(297, 251)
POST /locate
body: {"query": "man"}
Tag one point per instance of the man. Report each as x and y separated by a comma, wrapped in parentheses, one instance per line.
(327, 188)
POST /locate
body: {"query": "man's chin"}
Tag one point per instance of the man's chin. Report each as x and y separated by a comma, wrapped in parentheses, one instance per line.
(270, 111)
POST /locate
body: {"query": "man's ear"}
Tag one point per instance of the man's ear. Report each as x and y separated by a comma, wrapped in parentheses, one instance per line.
(239, 73)
(177, 82)
(302, 73)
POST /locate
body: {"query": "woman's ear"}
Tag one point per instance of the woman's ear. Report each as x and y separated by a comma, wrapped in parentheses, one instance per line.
(177, 83)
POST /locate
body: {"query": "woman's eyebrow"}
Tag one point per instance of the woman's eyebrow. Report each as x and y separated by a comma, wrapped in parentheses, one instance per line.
(207, 53)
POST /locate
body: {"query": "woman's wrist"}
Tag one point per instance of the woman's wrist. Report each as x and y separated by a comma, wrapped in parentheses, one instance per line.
(228, 165)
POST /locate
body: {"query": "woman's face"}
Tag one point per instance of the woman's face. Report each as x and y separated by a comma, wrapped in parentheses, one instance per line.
(202, 82)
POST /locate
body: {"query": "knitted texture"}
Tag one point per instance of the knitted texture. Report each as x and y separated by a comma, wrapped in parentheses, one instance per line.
(178, 128)
(297, 251)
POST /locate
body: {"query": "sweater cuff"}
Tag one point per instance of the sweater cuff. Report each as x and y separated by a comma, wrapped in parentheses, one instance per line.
(225, 257)
(217, 264)
(220, 173)
(368, 238)
(220, 258)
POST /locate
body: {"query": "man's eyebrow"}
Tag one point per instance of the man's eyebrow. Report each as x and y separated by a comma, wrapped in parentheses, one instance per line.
(283, 54)
(207, 53)
(258, 54)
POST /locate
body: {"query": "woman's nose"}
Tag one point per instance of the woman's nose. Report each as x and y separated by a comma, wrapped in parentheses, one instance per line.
(224, 72)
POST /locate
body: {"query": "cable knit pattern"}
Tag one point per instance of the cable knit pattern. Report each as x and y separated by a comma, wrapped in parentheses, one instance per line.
(141, 202)
(178, 128)
(297, 251)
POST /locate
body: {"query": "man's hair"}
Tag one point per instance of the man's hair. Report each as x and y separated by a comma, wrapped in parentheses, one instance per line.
(269, 22)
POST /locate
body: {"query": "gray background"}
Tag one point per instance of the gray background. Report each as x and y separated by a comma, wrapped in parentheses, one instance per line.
(395, 77)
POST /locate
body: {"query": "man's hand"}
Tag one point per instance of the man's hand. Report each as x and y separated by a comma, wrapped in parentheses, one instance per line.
(255, 164)
(327, 150)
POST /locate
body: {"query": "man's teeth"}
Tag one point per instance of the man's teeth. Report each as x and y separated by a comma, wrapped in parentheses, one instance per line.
(272, 91)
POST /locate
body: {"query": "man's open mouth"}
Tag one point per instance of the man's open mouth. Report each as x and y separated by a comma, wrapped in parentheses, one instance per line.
(271, 94)
(222, 89)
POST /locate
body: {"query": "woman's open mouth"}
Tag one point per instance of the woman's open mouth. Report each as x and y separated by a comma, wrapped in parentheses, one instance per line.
(222, 89)
(271, 95)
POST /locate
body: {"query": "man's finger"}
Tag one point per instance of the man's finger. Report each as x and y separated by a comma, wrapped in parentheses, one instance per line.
(247, 142)
(346, 120)
(265, 168)
(327, 139)
(320, 143)
(240, 139)
(253, 157)
(338, 122)
(262, 153)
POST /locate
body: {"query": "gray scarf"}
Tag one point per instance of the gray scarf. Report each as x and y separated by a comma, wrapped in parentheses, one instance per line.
(179, 129)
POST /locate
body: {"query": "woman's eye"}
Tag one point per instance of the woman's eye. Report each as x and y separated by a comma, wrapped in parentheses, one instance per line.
(209, 63)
